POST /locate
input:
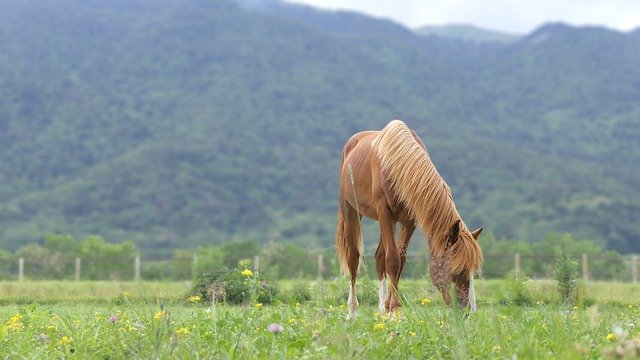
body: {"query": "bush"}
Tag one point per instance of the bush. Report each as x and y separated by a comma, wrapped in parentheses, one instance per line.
(301, 292)
(517, 293)
(566, 275)
(230, 286)
(267, 291)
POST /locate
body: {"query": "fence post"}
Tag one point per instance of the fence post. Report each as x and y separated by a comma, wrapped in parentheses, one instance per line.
(77, 269)
(21, 269)
(517, 261)
(320, 266)
(256, 263)
(634, 269)
(136, 273)
(585, 267)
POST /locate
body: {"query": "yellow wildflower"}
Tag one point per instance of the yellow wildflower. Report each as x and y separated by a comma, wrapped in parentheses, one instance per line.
(496, 348)
(194, 298)
(292, 321)
(183, 331)
(258, 305)
(65, 340)
(378, 326)
(15, 323)
(611, 337)
(247, 273)
(412, 333)
(425, 301)
(160, 315)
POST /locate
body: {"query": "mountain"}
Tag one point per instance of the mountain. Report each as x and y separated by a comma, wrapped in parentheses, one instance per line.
(467, 33)
(182, 122)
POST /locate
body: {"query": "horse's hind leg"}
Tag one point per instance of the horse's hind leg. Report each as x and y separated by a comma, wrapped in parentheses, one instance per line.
(391, 258)
(352, 234)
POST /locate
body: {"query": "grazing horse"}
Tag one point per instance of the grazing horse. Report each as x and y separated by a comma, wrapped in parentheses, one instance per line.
(388, 176)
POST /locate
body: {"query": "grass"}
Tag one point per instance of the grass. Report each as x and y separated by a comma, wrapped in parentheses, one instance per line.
(156, 320)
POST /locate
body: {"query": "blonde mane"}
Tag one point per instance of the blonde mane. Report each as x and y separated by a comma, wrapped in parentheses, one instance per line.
(420, 187)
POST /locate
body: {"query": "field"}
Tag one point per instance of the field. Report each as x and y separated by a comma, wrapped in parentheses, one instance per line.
(129, 320)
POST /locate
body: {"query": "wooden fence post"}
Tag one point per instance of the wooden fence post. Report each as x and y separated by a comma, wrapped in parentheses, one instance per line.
(320, 266)
(585, 267)
(517, 261)
(256, 263)
(21, 269)
(634, 269)
(136, 273)
(77, 269)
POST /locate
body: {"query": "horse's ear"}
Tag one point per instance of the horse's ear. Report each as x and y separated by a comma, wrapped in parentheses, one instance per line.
(453, 233)
(476, 233)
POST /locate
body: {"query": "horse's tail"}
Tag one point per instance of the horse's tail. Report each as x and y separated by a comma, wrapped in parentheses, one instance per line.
(347, 245)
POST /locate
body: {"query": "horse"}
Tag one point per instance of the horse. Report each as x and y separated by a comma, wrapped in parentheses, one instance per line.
(388, 176)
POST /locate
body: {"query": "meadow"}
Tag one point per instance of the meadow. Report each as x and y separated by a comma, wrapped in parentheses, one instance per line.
(130, 320)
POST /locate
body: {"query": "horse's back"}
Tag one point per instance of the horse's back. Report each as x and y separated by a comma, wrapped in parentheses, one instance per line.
(358, 138)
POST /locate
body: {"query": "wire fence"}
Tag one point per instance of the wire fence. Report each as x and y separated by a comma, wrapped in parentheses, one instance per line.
(592, 267)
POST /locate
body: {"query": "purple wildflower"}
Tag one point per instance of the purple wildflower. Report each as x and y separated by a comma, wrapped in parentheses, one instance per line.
(275, 328)
(113, 318)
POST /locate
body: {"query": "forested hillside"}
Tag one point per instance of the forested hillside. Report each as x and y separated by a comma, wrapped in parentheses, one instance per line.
(183, 122)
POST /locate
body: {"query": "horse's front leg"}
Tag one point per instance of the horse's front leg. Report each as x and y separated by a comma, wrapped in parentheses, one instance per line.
(405, 237)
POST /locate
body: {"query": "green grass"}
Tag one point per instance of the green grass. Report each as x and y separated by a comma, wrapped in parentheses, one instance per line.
(155, 320)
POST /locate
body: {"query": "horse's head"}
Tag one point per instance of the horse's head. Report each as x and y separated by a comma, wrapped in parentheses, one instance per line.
(452, 266)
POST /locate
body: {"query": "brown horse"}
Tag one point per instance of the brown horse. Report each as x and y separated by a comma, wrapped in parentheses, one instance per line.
(388, 176)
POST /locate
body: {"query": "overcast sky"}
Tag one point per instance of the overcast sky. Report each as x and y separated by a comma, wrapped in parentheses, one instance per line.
(514, 16)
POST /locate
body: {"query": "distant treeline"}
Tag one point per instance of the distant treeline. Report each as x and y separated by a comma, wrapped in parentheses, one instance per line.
(56, 258)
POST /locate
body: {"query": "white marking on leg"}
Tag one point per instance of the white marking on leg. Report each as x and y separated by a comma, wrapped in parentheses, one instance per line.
(352, 302)
(382, 294)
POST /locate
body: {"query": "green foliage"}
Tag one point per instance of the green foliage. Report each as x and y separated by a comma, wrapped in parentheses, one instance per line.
(538, 259)
(236, 132)
(301, 292)
(105, 260)
(288, 261)
(222, 285)
(100, 259)
(566, 276)
(143, 329)
(236, 251)
(517, 292)
(233, 287)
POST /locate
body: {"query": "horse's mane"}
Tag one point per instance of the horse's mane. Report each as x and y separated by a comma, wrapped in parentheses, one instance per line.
(420, 187)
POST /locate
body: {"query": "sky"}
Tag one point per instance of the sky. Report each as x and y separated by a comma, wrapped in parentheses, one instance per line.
(512, 16)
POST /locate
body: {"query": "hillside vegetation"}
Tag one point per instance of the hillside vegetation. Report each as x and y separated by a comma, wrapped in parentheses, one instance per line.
(176, 123)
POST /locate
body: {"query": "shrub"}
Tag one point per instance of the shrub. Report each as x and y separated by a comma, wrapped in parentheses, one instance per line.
(301, 292)
(366, 291)
(516, 287)
(267, 291)
(229, 285)
(566, 275)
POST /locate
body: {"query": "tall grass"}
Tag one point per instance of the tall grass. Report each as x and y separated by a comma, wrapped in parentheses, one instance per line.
(157, 320)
